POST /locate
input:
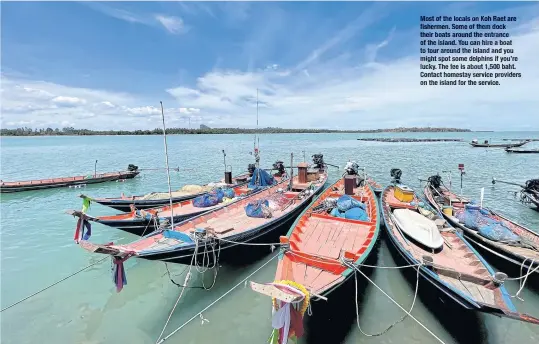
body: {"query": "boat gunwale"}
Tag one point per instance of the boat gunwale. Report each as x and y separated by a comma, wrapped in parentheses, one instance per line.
(434, 277)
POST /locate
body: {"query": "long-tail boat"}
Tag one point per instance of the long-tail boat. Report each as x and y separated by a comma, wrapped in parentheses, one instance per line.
(485, 227)
(145, 221)
(254, 218)
(522, 150)
(157, 199)
(486, 144)
(337, 232)
(445, 259)
(41, 184)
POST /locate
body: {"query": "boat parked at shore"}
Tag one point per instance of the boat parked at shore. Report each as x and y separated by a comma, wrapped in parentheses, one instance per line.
(41, 184)
(485, 227)
(424, 238)
(321, 251)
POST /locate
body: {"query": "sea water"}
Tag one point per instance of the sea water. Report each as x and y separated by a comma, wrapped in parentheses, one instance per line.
(37, 246)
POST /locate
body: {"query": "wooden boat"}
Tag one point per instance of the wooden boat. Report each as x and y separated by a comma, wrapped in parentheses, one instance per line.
(523, 151)
(40, 184)
(456, 269)
(157, 199)
(145, 221)
(223, 229)
(521, 253)
(486, 144)
(319, 247)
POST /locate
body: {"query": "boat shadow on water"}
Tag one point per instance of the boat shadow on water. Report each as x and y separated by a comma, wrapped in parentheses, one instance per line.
(464, 326)
(334, 319)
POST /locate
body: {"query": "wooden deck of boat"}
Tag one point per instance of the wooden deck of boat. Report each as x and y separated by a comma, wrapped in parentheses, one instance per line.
(456, 264)
(317, 241)
(224, 222)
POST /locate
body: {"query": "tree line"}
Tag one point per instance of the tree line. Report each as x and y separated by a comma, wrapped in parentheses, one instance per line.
(70, 131)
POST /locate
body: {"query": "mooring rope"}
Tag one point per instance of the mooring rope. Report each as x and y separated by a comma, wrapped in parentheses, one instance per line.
(396, 303)
(523, 278)
(395, 323)
(53, 284)
(217, 300)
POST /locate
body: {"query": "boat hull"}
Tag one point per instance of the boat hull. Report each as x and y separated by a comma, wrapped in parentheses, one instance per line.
(124, 205)
(479, 242)
(269, 232)
(24, 186)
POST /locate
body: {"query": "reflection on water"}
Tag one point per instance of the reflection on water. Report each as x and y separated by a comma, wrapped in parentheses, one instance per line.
(37, 246)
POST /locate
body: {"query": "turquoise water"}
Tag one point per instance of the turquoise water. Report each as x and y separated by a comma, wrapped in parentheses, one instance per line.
(37, 245)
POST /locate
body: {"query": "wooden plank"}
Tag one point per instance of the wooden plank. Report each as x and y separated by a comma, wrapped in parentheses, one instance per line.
(273, 291)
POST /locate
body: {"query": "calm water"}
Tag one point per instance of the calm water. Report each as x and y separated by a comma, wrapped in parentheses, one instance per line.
(38, 249)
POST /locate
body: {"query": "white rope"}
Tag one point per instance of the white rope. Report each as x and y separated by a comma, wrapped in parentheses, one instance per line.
(187, 278)
(395, 323)
(217, 300)
(523, 278)
(53, 284)
(398, 305)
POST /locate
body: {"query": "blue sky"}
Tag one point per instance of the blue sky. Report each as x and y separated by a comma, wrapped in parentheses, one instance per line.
(106, 65)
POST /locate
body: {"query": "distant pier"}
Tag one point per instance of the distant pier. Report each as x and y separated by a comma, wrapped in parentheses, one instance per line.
(403, 139)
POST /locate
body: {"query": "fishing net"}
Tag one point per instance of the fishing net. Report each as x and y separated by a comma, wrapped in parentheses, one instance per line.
(228, 192)
(206, 200)
(259, 209)
(480, 220)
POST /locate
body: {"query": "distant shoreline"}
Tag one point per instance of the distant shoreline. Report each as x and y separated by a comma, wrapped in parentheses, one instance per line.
(184, 131)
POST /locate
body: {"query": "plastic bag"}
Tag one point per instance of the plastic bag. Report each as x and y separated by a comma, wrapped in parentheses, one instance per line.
(346, 202)
(259, 209)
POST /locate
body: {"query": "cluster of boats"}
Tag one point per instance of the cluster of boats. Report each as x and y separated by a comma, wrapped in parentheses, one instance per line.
(332, 231)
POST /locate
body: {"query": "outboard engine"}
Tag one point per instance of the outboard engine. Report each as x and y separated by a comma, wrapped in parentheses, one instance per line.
(251, 169)
(396, 174)
(318, 160)
(351, 168)
(435, 181)
(279, 166)
(132, 168)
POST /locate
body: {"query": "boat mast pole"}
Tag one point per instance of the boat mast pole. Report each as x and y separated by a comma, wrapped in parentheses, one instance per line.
(166, 163)
(95, 169)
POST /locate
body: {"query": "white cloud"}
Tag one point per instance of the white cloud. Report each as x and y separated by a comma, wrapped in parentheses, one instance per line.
(174, 25)
(68, 101)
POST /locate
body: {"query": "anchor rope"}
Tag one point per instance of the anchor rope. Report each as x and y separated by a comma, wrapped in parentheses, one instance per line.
(217, 300)
(53, 284)
(524, 278)
(395, 323)
(396, 303)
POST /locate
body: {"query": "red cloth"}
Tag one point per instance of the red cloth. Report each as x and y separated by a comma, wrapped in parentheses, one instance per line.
(296, 322)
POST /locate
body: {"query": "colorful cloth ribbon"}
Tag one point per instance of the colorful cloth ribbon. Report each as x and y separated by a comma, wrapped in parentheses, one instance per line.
(79, 230)
(118, 272)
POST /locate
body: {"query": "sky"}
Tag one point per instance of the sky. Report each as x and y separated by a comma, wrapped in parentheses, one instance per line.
(351, 65)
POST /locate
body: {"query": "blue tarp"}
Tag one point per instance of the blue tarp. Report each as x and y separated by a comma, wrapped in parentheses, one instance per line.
(356, 214)
(261, 178)
(206, 200)
(254, 209)
(346, 202)
(478, 219)
(177, 235)
(228, 192)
